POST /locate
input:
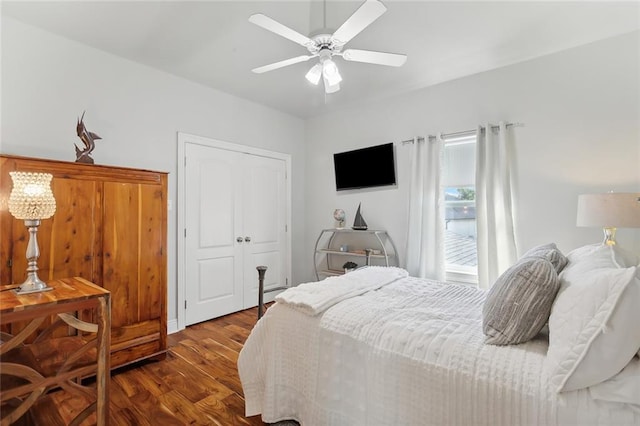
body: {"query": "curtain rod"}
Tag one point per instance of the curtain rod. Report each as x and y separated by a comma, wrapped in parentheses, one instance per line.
(462, 133)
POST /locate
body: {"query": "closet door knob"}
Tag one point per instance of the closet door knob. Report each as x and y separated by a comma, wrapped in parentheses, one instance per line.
(239, 239)
(247, 239)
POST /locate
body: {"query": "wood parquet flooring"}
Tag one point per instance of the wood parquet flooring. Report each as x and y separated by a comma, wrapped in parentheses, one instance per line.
(197, 383)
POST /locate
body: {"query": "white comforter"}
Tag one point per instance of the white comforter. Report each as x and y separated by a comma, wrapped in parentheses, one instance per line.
(409, 353)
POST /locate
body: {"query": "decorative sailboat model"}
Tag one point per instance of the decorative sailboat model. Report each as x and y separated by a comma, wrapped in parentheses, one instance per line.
(358, 223)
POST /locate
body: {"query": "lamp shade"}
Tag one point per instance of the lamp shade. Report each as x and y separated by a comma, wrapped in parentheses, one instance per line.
(329, 88)
(619, 210)
(330, 72)
(314, 74)
(31, 197)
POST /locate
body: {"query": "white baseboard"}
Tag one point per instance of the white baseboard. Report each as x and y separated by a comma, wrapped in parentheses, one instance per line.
(172, 326)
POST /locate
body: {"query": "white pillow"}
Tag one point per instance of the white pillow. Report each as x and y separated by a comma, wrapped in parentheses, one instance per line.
(602, 256)
(623, 387)
(593, 326)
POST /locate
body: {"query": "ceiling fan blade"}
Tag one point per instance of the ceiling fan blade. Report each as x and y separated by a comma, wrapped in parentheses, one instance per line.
(371, 57)
(361, 19)
(281, 64)
(276, 27)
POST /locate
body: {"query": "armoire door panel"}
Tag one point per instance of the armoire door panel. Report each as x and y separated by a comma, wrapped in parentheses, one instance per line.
(121, 245)
(152, 266)
(131, 242)
(67, 241)
(74, 247)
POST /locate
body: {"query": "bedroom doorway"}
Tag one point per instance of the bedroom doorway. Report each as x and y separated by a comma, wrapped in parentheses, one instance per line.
(235, 216)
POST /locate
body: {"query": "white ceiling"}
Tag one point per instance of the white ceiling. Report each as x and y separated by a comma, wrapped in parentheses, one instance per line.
(213, 43)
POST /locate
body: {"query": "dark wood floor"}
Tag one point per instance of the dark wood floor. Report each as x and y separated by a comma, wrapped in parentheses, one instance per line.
(197, 383)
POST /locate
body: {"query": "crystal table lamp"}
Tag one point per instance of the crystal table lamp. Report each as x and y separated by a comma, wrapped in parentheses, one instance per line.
(610, 210)
(31, 199)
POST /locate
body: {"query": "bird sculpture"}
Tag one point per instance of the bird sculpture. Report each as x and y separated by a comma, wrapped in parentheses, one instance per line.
(88, 139)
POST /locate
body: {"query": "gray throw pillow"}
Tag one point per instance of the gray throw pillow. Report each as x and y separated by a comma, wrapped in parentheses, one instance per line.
(519, 303)
(551, 253)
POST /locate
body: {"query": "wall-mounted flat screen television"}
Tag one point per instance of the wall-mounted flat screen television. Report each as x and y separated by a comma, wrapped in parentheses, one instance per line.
(365, 168)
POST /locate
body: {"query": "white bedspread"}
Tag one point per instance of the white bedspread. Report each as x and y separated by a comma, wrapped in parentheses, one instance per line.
(408, 353)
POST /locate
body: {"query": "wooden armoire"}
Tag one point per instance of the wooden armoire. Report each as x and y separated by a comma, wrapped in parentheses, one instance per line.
(110, 227)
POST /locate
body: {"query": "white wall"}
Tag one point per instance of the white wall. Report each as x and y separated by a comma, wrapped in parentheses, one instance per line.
(48, 81)
(581, 113)
(580, 108)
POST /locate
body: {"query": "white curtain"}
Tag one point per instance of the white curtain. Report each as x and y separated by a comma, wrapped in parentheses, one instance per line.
(425, 239)
(494, 199)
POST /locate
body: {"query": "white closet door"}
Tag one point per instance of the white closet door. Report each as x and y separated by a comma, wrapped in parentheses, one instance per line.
(214, 257)
(235, 220)
(264, 222)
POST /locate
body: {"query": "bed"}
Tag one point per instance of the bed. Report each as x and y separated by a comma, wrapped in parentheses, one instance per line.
(378, 347)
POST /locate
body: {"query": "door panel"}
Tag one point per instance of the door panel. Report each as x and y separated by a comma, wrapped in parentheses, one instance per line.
(264, 222)
(216, 221)
(213, 202)
(220, 271)
(272, 278)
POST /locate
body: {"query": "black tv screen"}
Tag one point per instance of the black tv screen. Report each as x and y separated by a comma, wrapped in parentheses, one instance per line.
(365, 168)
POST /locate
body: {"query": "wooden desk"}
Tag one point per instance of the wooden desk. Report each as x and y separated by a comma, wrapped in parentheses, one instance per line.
(29, 370)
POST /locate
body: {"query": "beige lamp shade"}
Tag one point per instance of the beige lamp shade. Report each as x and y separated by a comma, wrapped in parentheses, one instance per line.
(610, 211)
(619, 210)
(31, 197)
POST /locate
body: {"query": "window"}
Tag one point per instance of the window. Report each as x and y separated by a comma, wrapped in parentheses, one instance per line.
(458, 185)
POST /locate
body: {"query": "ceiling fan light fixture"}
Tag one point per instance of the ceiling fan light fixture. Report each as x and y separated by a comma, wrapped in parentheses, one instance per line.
(330, 88)
(314, 74)
(330, 72)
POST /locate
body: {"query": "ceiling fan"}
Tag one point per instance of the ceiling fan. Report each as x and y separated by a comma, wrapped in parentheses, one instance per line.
(326, 46)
